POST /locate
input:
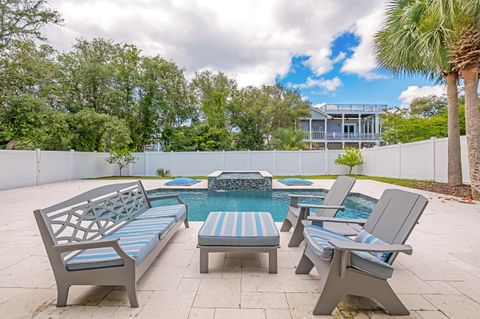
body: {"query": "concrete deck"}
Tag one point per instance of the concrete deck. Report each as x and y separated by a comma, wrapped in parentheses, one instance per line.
(440, 280)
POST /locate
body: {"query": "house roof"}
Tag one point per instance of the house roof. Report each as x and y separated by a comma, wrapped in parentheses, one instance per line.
(318, 114)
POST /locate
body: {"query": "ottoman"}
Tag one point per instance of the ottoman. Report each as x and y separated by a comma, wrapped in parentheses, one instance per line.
(240, 232)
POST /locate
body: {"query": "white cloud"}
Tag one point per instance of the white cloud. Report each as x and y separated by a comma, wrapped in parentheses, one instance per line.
(249, 39)
(362, 62)
(328, 85)
(413, 91)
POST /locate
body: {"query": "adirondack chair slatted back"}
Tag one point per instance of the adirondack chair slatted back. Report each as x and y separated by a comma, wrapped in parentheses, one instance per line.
(395, 215)
(93, 214)
(336, 195)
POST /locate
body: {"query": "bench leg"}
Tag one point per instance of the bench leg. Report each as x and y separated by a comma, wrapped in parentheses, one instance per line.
(203, 261)
(132, 294)
(272, 261)
(62, 295)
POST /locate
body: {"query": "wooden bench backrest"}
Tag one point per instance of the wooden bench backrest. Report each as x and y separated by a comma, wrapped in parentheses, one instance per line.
(95, 213)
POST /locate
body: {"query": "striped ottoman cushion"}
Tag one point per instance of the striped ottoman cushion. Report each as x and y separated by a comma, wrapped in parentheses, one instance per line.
(239, 229)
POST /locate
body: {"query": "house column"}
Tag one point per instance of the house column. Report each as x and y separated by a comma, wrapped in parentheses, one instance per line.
(359, 130)
(377, 124)
(342, 132)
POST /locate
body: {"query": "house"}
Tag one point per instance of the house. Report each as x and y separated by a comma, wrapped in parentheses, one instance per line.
(334, 126)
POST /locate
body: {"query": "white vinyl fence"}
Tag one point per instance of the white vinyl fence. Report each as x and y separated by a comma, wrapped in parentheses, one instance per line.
(420, 160)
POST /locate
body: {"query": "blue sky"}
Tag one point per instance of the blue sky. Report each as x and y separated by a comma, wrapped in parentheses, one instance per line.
(385, 89)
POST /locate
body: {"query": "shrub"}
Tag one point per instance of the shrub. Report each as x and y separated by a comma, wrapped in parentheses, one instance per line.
(121, 158)
(163, 172)
(351, 158)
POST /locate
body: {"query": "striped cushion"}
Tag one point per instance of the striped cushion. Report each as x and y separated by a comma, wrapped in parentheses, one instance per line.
(137, 247)
(177, 211)
(239, 229)
(318, 238)
(158, 226)
(367, 238)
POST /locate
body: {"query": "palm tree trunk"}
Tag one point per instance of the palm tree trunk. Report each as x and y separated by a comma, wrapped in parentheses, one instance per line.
(472, 125)
(454, 152)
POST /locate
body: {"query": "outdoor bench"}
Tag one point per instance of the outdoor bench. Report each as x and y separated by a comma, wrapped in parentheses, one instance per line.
(109, 235)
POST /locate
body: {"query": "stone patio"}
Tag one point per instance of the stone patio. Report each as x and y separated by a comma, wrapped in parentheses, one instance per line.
(440, 280)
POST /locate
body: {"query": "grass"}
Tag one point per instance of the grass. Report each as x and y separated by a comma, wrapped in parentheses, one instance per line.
(395, 181)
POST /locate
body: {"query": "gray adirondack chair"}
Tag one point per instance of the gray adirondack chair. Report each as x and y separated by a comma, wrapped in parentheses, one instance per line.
(332, 202)
(347, 267)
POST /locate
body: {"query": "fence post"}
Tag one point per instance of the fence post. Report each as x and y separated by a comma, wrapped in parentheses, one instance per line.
(301, 162)
(327, 168)
(38, 164)
(146, 163)
(434, 162)
(198, 162)
(399, 160)
(249, 160)
(224, 160)
(375, 160)
(72, 165)
(171, 164)
(274, 162)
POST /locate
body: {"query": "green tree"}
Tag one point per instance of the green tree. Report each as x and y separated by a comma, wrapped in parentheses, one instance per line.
(98, 132)
(351, 158)
(288, 139)
(29, 122)
(24, 20)
(122, 158)
(428, 106)
(412, 42)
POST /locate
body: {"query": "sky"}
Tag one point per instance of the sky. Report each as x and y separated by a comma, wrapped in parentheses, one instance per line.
(322, 48)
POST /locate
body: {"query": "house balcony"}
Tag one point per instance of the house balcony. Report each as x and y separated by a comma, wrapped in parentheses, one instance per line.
(318, 136)
(353, 108)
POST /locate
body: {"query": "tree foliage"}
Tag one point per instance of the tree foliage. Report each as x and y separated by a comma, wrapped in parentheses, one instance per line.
(288, 140)
(121, 158)
(351, 158)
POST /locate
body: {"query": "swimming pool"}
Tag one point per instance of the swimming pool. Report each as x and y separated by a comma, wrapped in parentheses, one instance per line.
(201, 202)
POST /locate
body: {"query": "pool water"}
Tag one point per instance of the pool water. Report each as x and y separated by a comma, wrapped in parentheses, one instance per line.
(201, 202)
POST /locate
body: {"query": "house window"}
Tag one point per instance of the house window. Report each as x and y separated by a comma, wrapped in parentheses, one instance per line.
(349, 128)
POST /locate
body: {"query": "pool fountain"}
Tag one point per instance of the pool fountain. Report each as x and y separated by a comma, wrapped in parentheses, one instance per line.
(240, 181)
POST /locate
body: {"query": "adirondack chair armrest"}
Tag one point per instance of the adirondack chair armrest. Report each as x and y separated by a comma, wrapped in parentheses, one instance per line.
(344, 245)
(90, 244)
(168, 196)
(322, 219)
(321, 206)
(305, 196)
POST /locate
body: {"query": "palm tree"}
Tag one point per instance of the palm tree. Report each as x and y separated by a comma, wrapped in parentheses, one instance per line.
(407, 44)
(288, 139)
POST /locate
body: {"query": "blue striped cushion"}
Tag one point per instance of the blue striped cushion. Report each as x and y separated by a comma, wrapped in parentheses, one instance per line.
(239, 229)
(318, 238)
(367, 238)
(137, 247)
(177, 211)
(158, 226)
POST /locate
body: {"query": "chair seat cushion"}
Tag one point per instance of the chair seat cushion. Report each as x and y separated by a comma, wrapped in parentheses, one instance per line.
(239, 229)
(137, 247)
(176, 211)
(318, 238)
(158, 226)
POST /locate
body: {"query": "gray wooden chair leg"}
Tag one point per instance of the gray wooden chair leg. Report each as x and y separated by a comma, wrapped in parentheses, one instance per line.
(305, 265)
(203, 261)
(328, 301)
(286, 226)
(132, 294)
(272, 261)
(297, 236)
(62, 295)
(385, 295)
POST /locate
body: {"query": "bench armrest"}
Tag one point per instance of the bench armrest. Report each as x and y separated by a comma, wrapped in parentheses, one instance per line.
(305, 196)
(321, 206)
(321, 219)
(91, 244)
(354, 246)
(168, 196)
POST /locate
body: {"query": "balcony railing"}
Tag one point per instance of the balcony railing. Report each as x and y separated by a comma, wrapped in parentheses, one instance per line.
(353, 107)
(332, 136)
